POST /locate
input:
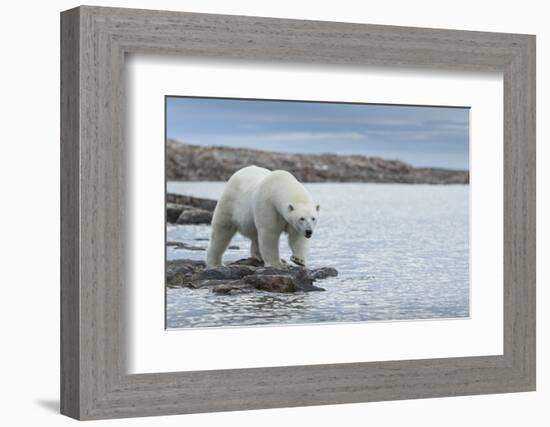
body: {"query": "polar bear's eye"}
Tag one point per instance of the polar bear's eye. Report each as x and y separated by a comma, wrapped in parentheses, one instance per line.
(313, 218)
(302, 219)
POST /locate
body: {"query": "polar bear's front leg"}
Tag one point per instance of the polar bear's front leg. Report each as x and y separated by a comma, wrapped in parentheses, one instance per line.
(299, 246)
(269, 248)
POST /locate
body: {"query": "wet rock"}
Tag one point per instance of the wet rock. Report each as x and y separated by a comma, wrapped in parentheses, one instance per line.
(179, 273)
(191, 201)
(244, 275)
(302, 278)
(173, 211)
(281, 283)
(195, 216)
(184, 265)
(176, 244)
(253, 262)
(234, 247)
(182, 209)
(233, 288)
(209, 283)
(229, 272)
(183, 245)
(192, 247)
(323, 273)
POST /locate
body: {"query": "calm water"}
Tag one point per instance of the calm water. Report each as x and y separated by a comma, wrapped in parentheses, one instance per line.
(402, 252)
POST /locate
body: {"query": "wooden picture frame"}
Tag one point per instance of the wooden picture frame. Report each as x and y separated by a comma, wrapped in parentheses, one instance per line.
(94, 41)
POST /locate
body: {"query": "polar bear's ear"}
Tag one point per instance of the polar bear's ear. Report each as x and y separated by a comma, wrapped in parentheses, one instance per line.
(290, 208)
(317, 208)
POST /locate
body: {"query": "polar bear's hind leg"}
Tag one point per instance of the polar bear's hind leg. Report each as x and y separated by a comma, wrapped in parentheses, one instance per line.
(219, 241)
(255, 248)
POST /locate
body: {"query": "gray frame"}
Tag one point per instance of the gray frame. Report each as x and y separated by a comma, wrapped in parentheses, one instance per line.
(94, 41)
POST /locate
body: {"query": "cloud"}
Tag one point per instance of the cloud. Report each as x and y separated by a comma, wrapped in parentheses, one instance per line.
(306, 136)
(435, 136)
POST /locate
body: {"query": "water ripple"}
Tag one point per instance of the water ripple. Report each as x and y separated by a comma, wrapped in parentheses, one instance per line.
(402, 252)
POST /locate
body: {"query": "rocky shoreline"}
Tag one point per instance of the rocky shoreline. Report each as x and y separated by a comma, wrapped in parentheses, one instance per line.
(244, 276)
(187, 162)
(182, 209)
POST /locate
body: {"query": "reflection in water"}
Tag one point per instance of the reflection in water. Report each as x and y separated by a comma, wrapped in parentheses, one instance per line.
(402, 252)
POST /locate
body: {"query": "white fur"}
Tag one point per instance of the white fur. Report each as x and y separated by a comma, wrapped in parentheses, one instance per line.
(261, 204)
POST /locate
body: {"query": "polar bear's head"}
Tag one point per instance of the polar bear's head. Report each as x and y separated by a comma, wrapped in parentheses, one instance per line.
(303, 217)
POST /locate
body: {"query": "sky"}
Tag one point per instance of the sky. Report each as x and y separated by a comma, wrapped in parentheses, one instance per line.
(418, 135)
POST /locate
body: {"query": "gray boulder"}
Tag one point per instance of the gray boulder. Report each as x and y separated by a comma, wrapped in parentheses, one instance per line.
(195, 216)
(173, 211)
(229, 272)
(323, 273)
(180, 272)
(194, 202)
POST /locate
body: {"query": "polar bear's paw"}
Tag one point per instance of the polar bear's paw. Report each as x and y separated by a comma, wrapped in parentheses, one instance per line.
(298, 261)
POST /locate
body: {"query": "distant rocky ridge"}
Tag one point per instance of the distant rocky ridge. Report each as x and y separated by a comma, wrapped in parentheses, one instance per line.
(187, 162)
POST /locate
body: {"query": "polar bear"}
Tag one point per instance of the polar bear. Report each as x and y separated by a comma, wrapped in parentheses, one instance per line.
(261, 204)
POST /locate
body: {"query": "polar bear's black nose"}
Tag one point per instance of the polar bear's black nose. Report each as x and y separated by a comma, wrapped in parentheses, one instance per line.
(309, 233)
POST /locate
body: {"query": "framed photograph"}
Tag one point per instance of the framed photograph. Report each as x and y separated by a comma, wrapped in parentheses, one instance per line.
(274, 167)
(262, 213)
